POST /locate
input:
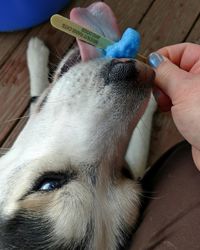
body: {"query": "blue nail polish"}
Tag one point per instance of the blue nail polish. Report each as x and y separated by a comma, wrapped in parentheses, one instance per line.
(155, 59)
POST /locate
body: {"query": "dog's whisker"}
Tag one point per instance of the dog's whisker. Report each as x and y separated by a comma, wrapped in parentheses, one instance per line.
(52, 64)
(52, 67)
(51, 76)
(150, 196)
(144, 123)
(3, 152)
(2, 148)
(14, 119)
(57, 54)
(141, 133)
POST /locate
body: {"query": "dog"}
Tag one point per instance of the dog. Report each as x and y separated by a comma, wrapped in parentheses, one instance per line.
(64, 184)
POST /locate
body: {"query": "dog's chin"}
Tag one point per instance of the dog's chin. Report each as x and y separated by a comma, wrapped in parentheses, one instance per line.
(138, 115)
(135, 118)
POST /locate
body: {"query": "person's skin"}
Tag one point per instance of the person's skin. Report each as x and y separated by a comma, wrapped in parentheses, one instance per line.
(177, 89)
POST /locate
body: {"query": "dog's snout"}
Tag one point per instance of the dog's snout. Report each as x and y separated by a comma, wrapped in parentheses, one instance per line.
(122, 70)
(130, 70)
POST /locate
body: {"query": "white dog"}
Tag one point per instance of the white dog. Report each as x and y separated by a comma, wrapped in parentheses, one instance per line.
(64, 184)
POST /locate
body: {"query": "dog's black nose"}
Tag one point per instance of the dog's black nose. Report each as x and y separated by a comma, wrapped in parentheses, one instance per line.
(122, 70)
(130, 70)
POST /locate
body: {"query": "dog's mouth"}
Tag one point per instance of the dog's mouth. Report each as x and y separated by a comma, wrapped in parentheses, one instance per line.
(100, 18)
(97, 17)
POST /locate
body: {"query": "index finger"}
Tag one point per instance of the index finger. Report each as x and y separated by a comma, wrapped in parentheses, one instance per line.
(184, 55)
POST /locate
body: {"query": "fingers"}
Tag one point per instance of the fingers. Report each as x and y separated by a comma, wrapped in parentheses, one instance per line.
(184, 55)
(169, 77)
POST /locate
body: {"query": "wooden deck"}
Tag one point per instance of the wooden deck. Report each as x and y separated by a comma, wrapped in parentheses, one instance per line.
(160, 22)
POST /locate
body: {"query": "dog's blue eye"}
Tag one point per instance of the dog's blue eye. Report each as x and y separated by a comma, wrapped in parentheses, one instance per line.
(51, 181)
(50, 185)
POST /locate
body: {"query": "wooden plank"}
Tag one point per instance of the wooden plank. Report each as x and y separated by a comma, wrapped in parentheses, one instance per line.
(14, 87)
(194, 35)
(129, 13)
(8, 42)
(167, 22)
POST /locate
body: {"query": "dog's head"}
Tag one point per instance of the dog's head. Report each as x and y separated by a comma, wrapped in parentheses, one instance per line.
(63, 184)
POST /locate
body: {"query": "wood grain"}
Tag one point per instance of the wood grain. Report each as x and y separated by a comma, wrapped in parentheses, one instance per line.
(194, 35)
(167, 22)
(15, 132)
(129, 13)
(8, 43)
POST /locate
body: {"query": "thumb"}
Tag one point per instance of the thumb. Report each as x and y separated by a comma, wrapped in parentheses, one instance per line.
(169, 77)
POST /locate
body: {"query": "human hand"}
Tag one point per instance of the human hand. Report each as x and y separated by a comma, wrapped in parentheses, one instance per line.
(177, 89)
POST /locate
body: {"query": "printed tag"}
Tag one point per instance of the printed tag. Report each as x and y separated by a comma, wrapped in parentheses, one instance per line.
(84, 34)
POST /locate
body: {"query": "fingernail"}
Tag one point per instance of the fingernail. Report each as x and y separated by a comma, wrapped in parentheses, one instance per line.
(155, 59)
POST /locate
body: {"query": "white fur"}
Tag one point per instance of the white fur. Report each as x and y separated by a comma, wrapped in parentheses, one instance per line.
(37, 59)
(138, 150)
(77, 130)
